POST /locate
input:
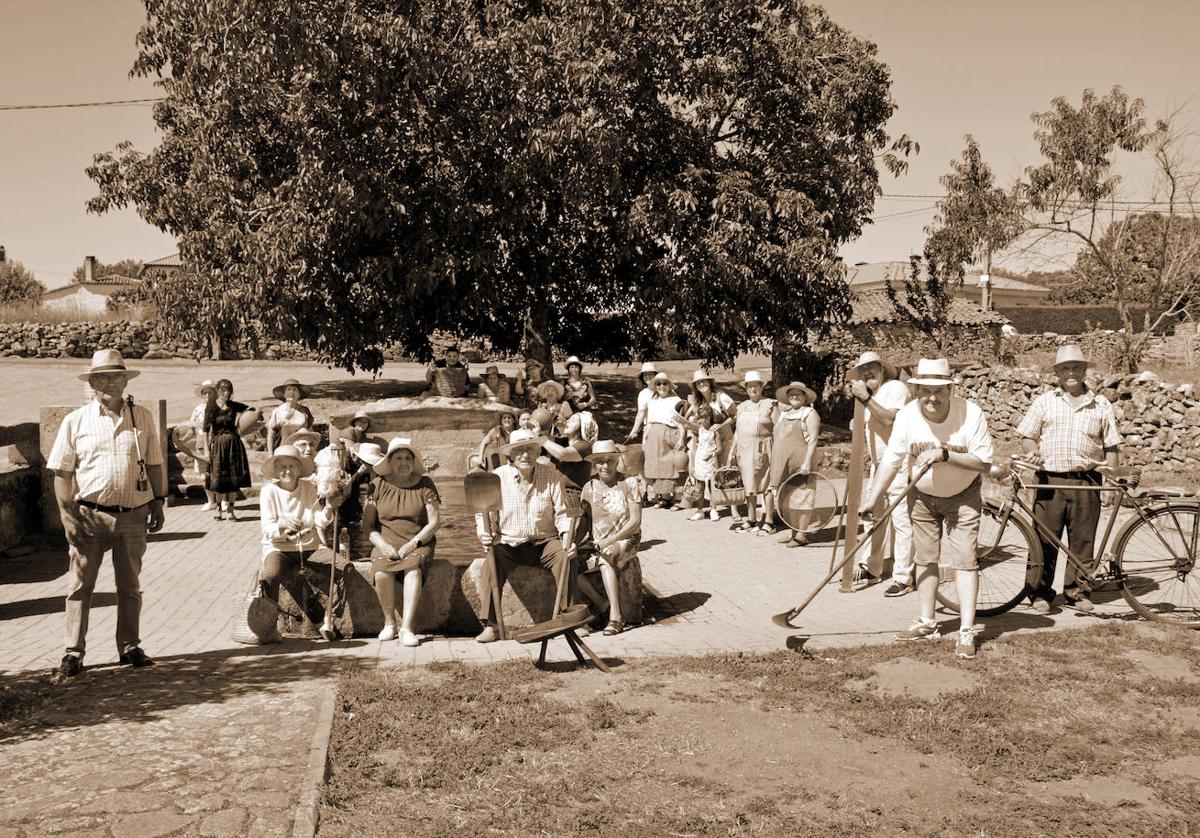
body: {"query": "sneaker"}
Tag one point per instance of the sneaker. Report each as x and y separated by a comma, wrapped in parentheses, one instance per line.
(696, 516)
(388, 633)
(407, 638)
(714, 515)
(209, 506)
(1080, 603)
(135, 657)
(965, 647)
(488, 635)
(920, 630)
(1040, 605)
(898, 589)
(70, 666)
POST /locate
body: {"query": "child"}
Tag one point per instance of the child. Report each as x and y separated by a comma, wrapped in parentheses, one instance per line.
(496, 438)
(753, 429)
(707, 457)
(793, 448)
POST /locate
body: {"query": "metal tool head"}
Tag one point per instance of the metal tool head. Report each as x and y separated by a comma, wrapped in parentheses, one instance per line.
(483, 493)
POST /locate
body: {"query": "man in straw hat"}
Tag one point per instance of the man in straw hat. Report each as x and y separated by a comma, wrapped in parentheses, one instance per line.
(110, 490)
(1068, 431)
(950, 434)
(535, 525)
(873, 382)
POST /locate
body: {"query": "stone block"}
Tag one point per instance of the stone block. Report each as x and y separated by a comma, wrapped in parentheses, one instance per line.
(304, 592)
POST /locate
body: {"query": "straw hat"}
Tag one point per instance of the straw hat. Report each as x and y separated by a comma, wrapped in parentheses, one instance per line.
(533, 362)
(574, 359)
(304, 433)
(662, 376)
(361, 414)
(754, 377)
(933, 372)
(378, 459)
(550, 384)
(287, 452)
(277, 392)
(702, 375)
(1070, 354)
(206, 384)
(521, 438)
(854, 372)
(492, 369)
(108, 360)
(605, 449)
(648, 368)
(809, 393)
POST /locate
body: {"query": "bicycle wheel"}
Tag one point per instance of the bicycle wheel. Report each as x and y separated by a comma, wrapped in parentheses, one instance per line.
(1009, 560)
(813, 493)
(1156, 555)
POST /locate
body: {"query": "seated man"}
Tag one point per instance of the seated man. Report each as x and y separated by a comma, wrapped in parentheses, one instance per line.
(535, 526)
(448, 376)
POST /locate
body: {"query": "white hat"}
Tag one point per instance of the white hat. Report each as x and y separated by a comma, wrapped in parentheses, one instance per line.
(701, 375)
(870, 358)
(520, 438)
(206, 384)
(548, 385)
(107, 360)
(934, 372)
(809, 394)
(287, 452)
(603, 449)
(648, 368)
(574, 359)
(753, 377)
(662, 376)
(380, 460)
(1069, 354)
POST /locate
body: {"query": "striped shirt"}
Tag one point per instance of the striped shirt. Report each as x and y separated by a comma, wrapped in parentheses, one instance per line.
(99, 447)
(531, 511)
(1070, 438)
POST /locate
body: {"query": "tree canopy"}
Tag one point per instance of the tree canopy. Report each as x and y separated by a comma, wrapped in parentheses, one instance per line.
(18, 284)
(125, 267)
(597, 175)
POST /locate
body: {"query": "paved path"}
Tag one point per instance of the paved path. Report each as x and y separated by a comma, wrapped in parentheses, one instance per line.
(215, 739)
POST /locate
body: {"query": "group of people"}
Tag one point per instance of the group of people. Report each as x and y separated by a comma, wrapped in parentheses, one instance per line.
(572, 499)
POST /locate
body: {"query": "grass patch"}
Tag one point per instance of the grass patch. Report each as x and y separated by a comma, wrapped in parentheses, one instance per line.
(780, 744)
(20, 698)
(56, 315)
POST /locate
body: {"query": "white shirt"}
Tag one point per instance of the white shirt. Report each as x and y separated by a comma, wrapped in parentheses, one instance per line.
(965, 431)
(663, 411)
(644, 397)
(893, 395)
(100, 447)
(277, 504)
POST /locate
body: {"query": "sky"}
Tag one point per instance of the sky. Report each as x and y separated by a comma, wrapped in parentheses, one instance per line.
(957, 66)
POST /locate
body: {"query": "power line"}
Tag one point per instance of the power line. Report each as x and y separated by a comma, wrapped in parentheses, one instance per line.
(109, 103)
(1101, 205)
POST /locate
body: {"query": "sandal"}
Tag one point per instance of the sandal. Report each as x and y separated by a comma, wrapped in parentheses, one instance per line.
(797, 541)
(766, 529)
(614, 627)
(745, 526)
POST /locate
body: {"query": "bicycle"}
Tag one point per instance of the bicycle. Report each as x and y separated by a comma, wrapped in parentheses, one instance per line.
(1153, 561)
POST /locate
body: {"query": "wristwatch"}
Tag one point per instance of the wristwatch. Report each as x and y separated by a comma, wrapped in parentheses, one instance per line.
(945, 454)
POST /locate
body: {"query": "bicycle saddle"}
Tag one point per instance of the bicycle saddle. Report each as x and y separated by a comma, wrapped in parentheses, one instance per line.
(1127, 475)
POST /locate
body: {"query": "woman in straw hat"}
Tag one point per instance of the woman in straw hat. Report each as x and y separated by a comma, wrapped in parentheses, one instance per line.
(529, 376)
(228, 465)
(580, 393)
(550, 394)
(646, 376)
(752, 445)
(401, 521)
(615, 505)
(494, 387)
(207, 391)
(293, 516)
(793, 448)
(291, 415)
(662, 441)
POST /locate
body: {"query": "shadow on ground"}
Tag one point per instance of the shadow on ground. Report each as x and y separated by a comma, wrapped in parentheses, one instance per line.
(42, 566)
(113, 693)
(50, 605)
(663, 608)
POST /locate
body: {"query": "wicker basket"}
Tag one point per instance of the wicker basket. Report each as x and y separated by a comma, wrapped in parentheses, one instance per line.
(727, 488)
(254, 617)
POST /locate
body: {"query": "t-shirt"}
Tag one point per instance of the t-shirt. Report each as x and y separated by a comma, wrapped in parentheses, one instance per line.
(964, 431)
(644, 397)
(892, 394)
(664, 411)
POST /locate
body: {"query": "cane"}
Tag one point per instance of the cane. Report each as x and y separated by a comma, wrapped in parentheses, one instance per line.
(327, 632)
(784, 620)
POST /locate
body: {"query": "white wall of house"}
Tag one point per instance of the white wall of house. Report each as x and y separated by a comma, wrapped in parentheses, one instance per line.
(81, 299)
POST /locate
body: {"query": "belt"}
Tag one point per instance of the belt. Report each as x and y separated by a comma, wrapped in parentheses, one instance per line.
(111, 510)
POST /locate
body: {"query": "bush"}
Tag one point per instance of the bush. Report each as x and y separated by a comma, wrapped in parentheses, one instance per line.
(1072, 320)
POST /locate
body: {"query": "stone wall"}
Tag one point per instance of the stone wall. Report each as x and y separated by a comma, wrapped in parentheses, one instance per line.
(1159, 422)
(20, 483)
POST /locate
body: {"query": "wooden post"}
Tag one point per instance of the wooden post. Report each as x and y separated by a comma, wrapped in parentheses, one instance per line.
(854, 486)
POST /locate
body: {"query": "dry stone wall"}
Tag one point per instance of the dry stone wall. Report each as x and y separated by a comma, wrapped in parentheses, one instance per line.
(1159, 422)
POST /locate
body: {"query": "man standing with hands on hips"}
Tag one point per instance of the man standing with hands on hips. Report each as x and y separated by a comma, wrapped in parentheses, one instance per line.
(110, 489)
(1065, 433)
(949, 434)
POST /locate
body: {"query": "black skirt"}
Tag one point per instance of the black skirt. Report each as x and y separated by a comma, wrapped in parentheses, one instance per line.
(228, 466)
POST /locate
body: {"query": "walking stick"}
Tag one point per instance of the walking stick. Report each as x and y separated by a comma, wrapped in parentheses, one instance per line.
(784, 620)
(327, 631)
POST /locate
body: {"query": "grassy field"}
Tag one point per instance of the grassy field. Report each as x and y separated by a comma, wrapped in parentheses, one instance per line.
(1090, 732)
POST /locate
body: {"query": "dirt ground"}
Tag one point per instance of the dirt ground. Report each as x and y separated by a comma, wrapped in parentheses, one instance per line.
(1090, 732)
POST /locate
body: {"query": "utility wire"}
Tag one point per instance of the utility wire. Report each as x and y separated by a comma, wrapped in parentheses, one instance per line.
(81, 104)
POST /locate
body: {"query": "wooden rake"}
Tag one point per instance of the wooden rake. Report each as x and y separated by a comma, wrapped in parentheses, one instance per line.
(483, 494)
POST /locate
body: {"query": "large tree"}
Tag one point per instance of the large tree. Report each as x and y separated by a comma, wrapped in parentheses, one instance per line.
(18, 284)
(596, 175)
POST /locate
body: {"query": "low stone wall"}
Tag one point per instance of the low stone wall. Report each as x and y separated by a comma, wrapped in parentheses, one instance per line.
(20, 483)
(1159, 422)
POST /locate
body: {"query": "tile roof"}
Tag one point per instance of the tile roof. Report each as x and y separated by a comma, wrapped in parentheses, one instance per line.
(875, 307)
(172, 261)
(876, 274)
(114, 279)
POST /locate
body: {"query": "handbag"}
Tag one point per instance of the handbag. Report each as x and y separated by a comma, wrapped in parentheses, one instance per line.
(254, 616)
(692, 493)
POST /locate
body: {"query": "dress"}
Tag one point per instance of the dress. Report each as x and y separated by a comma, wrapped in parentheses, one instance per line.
(660, 438)
(228, 466)
(708, 453)
(197, 422)
(286, 421)
(577, 391)
(752, 441)
(610, 508)
(399, 515)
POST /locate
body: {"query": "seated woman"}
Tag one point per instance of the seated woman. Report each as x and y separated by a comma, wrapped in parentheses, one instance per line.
(494, 387)
(580, 393)
(615, 505)
(289, 417)
(293, 516)
(401, 519)
(489, 457)
(550, 394)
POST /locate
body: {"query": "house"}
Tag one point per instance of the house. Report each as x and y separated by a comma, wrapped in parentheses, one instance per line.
(92, 294)
(1006, 292)
(165, 266)
(969, 333)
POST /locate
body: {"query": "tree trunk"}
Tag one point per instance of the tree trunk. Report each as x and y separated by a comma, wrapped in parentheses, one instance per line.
(215, 346)
(794, 362)
(536, 339)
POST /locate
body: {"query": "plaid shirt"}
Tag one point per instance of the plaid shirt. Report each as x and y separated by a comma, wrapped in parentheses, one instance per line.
(99, 447)
(1071, 438)
(531, 511)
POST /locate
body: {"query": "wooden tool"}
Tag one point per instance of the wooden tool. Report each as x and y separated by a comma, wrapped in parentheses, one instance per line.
(854, 486)
(484, 495)
(327, 630)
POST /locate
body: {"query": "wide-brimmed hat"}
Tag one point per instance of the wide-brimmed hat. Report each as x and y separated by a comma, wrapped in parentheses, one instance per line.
(533, 362)
(379, 459)
(521, 438)
(603, 449)
(307, 466)
(492, 369)
(303, 433)
(855, 371)
(206, 384)
(277, 392)
(361, 414)
(1070, 354)
(754, 377)
(648, 368)
(574, 359)
(933, 372)
(702, 375)
(548, 385)
(809, 393)
(108, 360)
